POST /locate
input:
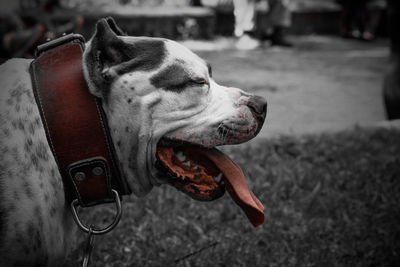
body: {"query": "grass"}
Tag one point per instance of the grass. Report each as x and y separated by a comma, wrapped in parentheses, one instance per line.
(330, 200)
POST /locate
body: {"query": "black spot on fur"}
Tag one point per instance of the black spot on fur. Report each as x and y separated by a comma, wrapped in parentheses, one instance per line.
(30, 228)
(119, 143)
(21, 237)
(37, 121)
(21, 240)
(41, 151)
(209, 69)
(28, 146)
(35, 161)
(15, 154)
(14, 124)
(28, 190)
(27, 249)
(4, 150)
(31, 128)
(132, 88)
(21, 125)
(17, 92)
(127, 129)
(37, 210)
(172, 78)
(29, 111)
(11, 208)
(53, 183)
(6, 132)
(3, 224)
(129, 100)
(3, 212)
(53, 211)
(16, 196)
(38, 240)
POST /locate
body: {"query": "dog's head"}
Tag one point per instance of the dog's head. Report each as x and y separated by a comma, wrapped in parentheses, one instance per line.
(167, 114)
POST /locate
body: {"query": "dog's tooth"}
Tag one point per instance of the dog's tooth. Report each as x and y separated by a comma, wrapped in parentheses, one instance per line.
(187, 163)
(181, 156)
(218, 178)
(195, 167)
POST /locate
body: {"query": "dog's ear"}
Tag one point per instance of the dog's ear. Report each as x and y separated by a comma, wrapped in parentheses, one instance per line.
(106, 50)
(114, 26)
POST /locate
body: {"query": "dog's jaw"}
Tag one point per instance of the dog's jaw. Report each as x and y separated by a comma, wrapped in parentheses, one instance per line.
(139, 120)
(134, 139)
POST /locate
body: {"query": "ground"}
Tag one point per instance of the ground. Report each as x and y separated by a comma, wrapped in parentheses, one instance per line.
(330, 200)
(324, 83)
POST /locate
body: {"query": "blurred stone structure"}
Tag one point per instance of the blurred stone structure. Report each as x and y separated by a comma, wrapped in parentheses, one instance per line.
(180, 19)
(174, 19)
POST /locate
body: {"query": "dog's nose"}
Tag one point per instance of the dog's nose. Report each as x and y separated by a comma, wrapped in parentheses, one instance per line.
(258, 105)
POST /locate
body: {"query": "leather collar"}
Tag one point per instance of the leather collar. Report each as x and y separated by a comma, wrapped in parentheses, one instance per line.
(75, 123)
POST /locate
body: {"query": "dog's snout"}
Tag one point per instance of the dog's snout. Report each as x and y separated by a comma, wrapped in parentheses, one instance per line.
(258, 105)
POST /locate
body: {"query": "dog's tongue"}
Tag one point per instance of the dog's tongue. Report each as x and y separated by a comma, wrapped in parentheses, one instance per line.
(236, 184)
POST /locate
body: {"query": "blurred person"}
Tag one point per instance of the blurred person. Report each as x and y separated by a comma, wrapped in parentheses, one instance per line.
(47, 12)
(279, 19)
(355, 19)
(28, 23)
(16, 39)
(244, 12)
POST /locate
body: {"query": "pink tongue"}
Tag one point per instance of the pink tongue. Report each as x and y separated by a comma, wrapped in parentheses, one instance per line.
(236, 185)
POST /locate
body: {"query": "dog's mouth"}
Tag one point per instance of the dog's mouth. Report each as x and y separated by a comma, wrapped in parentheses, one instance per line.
(205, 173)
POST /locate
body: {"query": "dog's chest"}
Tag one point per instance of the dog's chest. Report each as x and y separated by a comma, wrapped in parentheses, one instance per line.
(34, 218)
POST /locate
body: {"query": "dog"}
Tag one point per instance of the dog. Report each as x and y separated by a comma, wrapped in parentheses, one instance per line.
(156, 95)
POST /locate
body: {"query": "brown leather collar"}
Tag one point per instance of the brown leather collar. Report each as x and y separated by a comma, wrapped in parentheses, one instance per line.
(75, 124)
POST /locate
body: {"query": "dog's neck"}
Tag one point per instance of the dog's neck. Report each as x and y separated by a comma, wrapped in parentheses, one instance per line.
(133, 154)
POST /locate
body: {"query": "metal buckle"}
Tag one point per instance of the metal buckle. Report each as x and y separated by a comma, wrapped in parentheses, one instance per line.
(93, 229)
(59, 41)
(88, 248)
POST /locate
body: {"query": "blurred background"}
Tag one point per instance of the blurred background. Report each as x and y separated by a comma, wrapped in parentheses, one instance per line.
(329, 56)
(326, 164)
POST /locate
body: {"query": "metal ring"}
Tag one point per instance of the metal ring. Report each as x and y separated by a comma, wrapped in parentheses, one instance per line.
(93, 230)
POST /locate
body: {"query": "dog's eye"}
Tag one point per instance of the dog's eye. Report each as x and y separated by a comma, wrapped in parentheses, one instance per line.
(199, 81)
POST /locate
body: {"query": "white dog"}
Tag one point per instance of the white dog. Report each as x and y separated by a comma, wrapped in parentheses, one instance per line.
(166, 115)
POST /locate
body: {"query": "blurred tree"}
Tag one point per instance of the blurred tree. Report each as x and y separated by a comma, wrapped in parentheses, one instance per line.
(391, 84)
